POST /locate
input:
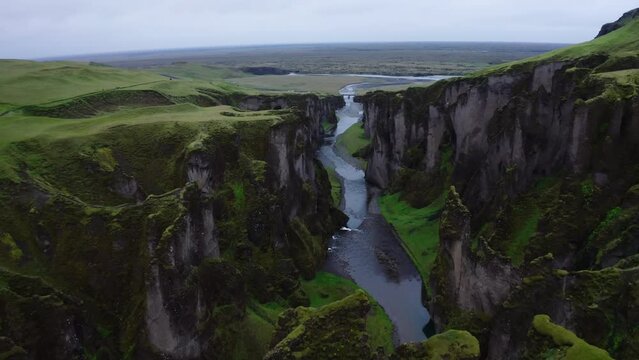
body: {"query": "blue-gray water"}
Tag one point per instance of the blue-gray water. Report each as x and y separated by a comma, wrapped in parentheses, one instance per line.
(359, 254)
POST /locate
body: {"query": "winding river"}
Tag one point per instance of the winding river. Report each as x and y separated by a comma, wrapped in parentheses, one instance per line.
(368, 251)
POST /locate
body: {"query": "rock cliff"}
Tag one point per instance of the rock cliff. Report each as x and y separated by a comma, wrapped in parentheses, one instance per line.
(156, 236)
(541, 154)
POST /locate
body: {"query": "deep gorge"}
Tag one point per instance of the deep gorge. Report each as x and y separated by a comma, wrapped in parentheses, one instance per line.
(141, 224)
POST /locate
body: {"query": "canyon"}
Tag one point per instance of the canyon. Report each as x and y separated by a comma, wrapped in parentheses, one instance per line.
(181, 220)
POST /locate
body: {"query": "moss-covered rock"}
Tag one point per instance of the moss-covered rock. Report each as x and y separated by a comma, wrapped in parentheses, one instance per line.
(334, 331)
(449, 345)
(565, 344)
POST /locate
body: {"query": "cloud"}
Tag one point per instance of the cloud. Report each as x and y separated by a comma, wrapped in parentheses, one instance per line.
(41, 28)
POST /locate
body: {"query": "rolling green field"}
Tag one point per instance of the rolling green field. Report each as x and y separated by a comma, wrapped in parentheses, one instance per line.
(185, 70)
(50, 83)
(414, 58)
(29, 82)
(296, 83)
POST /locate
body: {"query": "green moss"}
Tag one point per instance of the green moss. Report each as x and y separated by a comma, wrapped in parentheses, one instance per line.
(239, 196)
(446, 164)
(532, 279)
(327, 288)
(307, 249)
(418, 229)
(336, 186)
(353, 140)
(256, 330)
(328, 127)
(9, 244)
(525, 221)
(617, 44)
(350, 328)
(588, 189)
(258, 170)
(379, 329)
(449, 345)
(612, 215)
(104, 158)
(577, 348)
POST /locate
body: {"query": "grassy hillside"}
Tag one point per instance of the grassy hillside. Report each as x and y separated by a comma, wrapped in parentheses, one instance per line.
(29, 82)
(53, 83)
(618, 50)
(187, 70)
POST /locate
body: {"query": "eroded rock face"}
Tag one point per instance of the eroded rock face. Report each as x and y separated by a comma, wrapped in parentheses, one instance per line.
(494, 137)
(463, 280)
(334, 331)
(529, 123)
(177, 307)
(172, 319)
(610, 27)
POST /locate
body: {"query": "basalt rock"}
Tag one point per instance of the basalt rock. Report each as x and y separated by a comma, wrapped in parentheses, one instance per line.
(334, 331)
(624, 19)
(450, 345)
(464, 282)
(541, 156)
(228, 213)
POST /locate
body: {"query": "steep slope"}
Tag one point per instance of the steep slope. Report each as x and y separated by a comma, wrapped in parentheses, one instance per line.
(543, 155)
(138, 224)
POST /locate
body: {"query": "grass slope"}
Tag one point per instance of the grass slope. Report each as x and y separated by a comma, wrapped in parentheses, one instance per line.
(578, 349)
(418, 229)
(186, 70)
(30, 82)
(326, 288)
(352, 141)
(48, 84)
(14, 129)
(620, 46)
(336, 186)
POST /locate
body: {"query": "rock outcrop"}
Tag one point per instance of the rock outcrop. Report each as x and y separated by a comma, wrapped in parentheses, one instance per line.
(463, 281)
(623, 20)
(504, 131)
(450, 345)
(334, 331)
(231, 211)
(541, 157)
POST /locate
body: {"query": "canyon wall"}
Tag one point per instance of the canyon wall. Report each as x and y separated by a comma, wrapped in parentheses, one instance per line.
(499, 138)
(168, 230)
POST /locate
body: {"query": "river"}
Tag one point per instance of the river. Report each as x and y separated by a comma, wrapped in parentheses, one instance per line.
(368, 252)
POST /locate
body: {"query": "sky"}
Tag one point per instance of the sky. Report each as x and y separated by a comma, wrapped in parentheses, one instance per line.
(33, 29)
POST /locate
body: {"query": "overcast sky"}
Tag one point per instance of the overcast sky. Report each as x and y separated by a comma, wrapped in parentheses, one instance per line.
(42, 28)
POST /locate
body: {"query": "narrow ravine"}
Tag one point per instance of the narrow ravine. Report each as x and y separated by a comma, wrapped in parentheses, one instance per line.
(368, 252)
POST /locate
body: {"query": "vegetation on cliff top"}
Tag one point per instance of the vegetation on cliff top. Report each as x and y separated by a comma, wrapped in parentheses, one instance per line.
(570, 347)
(353, 142)
(617, 50)
(337, 330)
(449, 345)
